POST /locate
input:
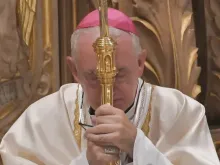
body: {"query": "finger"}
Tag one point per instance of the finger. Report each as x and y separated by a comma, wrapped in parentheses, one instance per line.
(102, 144)
(90, 143)
(106, 109)
(107, 158)
(109, 138)
(94, 147)
(101, 129)
(108, 119)
(97, 147)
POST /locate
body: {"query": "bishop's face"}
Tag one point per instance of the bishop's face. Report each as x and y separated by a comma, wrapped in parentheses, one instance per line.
(129, 66)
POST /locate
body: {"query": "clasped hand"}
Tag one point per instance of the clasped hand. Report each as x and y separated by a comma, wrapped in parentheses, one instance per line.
(112, 128)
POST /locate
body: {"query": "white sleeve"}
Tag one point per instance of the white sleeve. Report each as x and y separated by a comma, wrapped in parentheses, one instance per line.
(187, 141)
(196, 147)
(9, 159)
(81, 159)
(142, 147)
(40, 137)
(145, 153)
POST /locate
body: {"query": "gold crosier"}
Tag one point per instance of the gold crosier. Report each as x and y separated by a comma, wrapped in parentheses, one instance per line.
(104, 48)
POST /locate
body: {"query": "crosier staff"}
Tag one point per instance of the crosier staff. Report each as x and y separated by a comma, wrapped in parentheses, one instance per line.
(104, 48)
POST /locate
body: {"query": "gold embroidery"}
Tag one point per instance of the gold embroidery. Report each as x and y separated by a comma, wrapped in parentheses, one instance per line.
(30, 157)
(146, 128)
(77, 129)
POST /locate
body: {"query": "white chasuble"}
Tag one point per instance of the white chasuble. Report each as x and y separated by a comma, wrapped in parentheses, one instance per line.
(172, 129)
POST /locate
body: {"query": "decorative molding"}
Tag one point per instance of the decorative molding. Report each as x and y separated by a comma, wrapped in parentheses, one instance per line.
(212, 13)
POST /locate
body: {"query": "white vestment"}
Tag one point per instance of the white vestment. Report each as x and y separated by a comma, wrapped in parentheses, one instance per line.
(171, 129)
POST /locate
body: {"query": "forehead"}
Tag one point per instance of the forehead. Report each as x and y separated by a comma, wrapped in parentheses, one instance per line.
(87, 59)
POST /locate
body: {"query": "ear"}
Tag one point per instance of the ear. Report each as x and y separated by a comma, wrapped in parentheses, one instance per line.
(72, 66)
(141, 60)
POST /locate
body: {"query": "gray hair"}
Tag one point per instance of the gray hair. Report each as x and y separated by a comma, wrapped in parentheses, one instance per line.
(115, 33)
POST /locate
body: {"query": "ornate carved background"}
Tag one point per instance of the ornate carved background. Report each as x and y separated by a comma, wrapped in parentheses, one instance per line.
(169, 38)
(29, 66)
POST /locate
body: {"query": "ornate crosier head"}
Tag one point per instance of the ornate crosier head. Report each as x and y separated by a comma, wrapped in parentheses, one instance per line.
(104, 48)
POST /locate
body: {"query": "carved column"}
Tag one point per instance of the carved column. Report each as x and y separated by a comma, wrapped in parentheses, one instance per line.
(71, 13)
(66, 17)
(212, 99)
(212, 102)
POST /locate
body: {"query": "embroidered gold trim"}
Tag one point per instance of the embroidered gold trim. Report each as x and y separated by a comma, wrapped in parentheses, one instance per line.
(146, 127)
(77, 129)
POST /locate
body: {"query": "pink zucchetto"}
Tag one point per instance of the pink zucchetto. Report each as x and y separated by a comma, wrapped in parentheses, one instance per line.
(116, 19)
